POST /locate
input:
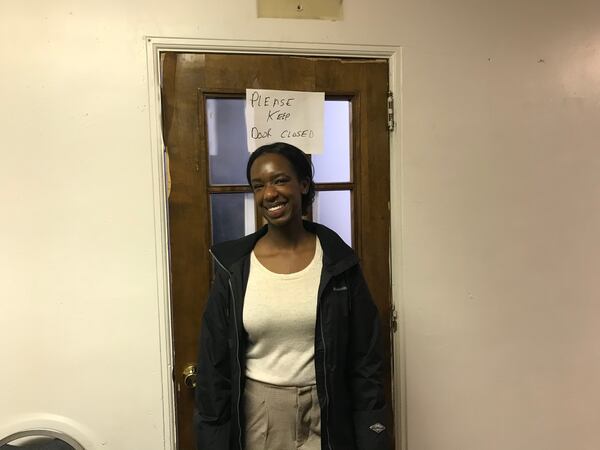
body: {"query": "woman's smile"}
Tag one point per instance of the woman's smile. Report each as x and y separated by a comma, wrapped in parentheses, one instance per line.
(276, 208)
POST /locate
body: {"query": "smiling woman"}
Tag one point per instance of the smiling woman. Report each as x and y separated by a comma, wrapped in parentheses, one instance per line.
(281, 179)
(290, 350)
(282, 166)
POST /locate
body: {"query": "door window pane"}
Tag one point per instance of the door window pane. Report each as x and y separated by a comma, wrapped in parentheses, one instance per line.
(333, 209)
(227, 148)
(333, 165)
(228, 152)
(232, 216)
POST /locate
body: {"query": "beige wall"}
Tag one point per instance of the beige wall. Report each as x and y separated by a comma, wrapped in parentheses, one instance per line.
(499, 197)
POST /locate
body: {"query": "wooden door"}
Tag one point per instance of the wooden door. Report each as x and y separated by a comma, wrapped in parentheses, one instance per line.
(189, 83)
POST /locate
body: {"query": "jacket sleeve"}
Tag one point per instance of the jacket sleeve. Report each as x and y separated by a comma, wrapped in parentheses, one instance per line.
(212, 414)
(371, 415)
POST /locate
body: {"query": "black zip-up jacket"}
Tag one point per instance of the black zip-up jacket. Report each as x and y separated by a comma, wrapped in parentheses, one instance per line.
(348, 357)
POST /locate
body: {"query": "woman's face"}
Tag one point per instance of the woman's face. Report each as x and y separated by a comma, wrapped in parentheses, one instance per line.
(277, 189)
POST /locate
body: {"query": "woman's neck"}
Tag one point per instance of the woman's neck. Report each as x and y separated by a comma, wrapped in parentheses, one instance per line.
(289, 237)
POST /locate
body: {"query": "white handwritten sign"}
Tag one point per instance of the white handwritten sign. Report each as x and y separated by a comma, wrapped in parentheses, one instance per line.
(293, 117)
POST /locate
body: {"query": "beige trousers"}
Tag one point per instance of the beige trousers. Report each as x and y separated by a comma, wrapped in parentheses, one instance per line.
(281, 418)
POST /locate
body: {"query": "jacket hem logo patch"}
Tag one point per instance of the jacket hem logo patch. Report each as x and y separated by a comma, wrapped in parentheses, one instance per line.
(377, 427)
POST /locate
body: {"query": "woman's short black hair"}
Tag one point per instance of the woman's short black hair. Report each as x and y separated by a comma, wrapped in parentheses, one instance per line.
(298, 159)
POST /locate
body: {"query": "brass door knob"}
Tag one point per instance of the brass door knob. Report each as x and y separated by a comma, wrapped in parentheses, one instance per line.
(189, 375)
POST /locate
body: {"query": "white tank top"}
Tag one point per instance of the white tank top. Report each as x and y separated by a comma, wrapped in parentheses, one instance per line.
(279, 317)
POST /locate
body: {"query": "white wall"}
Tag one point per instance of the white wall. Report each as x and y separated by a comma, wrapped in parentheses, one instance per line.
(500, 200)
(501, 218)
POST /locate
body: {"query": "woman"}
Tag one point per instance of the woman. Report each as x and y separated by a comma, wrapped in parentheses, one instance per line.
(290, 352)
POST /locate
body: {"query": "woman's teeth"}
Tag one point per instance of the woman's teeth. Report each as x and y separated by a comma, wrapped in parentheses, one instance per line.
(276, 207)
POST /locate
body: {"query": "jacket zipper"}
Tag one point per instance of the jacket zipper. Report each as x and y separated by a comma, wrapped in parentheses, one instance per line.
(237, 359)
(325, 376)
(237, 350)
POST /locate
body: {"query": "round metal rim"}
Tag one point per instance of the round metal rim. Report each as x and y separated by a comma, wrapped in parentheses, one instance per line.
(42, 433)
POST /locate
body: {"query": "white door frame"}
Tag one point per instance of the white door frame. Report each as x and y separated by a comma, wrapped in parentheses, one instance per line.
(156, 45)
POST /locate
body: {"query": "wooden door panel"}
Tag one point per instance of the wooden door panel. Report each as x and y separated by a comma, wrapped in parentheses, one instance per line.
(187, 212)
(258, 71)
(187, 78)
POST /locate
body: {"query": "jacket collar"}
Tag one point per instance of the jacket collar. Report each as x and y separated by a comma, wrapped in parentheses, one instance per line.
(337, 255)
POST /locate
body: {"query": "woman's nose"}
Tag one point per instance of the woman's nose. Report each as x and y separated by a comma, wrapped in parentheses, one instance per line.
(270, 191)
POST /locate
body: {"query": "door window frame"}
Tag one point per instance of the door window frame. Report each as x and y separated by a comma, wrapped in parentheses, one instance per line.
(155, 45)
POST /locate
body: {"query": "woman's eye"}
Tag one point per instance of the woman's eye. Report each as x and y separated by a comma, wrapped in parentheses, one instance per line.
(280, 180)
(257, 187)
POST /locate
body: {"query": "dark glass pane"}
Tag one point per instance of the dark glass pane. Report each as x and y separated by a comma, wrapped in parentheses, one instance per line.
(232, 216)
(227, 148)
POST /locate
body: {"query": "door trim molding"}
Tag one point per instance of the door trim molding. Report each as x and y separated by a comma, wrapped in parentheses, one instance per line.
(157, 44)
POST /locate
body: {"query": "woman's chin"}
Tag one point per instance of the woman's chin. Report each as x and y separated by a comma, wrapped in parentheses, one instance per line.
(277, 221)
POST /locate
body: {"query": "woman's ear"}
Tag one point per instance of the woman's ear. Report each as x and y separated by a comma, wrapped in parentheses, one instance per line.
(304, 185)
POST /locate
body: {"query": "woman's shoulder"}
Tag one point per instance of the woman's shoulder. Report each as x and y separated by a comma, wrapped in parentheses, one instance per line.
(229, 252)
(334, 248)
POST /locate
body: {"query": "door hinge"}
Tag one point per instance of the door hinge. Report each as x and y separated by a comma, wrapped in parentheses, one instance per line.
(390, 114)
(394, 320)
